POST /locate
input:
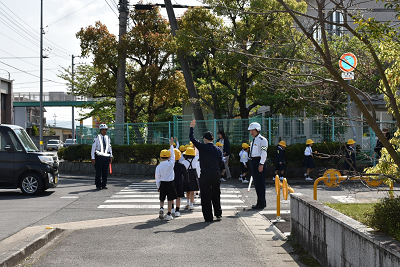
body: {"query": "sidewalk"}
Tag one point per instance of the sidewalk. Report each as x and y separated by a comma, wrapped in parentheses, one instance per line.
(242, 238)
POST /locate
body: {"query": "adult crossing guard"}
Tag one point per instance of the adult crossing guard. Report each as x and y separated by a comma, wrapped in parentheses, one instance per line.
(101, 157)
(210, 161)
(258, 166)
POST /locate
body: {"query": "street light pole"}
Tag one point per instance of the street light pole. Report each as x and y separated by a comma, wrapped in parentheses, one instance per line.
(41, 79)
(72, 94)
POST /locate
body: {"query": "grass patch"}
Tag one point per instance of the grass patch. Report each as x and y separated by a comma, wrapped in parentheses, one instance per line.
(357, 211)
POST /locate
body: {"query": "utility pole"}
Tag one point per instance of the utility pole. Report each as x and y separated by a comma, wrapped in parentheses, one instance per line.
(120, 94)
(72, 93)
(198, 113)
(41, 79)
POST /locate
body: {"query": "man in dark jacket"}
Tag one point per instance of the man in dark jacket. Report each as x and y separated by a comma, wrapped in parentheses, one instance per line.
(210, 158)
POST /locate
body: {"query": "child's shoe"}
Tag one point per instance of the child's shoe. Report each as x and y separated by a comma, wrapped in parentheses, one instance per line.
(172, 211)
(245, 181)
(273, 178)
(308, 179)
(191, 207)
(240, 178)
(222, 180)
(281, 178)
(177, 214)
(168, 218)
(161, 214)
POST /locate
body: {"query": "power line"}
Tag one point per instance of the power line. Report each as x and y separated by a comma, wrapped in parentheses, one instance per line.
(111, 8)
(71, 13)
(27, 72)
(55, 47)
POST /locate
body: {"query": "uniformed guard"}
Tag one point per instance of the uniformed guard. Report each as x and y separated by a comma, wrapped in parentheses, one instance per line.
(101, 157)
(258, 166)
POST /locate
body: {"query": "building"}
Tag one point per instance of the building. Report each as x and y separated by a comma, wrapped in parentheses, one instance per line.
(6, 91)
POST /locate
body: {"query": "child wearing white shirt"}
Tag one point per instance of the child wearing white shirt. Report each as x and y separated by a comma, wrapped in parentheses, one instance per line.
(165, 180)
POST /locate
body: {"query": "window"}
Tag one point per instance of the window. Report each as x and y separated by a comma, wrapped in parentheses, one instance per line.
(3, 142)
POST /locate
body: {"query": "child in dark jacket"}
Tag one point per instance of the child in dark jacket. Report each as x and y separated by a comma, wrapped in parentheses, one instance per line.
(181, 176)
(280, 162)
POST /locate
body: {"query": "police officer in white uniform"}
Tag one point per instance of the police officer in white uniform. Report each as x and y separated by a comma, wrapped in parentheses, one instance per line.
(258, 166)
(101, 157)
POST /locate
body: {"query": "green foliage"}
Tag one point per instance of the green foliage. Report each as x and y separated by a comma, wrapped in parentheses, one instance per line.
(122, 153)
(386, 216)
(35, 130)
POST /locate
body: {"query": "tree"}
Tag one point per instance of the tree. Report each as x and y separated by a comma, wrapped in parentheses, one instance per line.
(371, 33)
(152, 85)
(224, 48)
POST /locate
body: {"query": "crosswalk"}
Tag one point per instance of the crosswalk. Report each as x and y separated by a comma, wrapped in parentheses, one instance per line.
(145, 196)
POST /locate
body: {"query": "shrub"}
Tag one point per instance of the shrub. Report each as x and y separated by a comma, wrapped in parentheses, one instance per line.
(386, 216)
(149, 153)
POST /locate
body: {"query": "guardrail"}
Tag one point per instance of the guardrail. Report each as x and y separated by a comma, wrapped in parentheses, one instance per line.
(333, 178)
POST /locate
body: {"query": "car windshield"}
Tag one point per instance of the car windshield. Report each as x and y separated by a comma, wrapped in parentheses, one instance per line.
(52, 142)
(69, 141)
(26, 140)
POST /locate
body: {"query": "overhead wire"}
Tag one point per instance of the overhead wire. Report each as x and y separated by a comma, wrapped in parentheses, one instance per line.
(71, 13)
(111, 8)
(28, 73)
(55, 47)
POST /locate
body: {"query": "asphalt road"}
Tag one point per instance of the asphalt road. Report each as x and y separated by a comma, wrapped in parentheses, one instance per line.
(76, 200)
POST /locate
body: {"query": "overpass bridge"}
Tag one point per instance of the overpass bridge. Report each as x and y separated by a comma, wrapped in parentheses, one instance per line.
(50, 99)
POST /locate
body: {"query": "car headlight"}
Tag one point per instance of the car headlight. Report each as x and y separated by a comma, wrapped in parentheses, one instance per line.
(46, 159)
(51, 179)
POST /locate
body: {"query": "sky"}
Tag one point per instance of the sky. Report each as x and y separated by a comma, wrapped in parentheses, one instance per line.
(20, 43)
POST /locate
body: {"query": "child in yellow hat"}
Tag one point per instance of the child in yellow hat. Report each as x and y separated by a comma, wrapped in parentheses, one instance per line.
(350, 160)
(280, 162)
(308, 159)
(165, 180)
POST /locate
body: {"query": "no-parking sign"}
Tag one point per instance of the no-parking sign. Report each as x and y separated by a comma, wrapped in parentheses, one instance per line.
(348, 62)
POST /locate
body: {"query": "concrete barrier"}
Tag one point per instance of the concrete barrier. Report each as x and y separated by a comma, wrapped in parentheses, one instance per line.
(335, 239)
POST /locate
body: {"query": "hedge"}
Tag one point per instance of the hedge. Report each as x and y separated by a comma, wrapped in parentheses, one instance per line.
(149, 154)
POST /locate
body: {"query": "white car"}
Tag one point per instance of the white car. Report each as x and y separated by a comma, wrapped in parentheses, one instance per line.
(54, 144)
(69, 142)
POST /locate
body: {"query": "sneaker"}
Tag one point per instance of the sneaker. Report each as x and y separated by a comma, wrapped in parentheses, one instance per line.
(305, 175)
(273, 178)
(281, 178)
(177, 214)
(309, 179)
(168, 218)
(172, 211)
(191, 207)
(240, 178)
(161, 214)
(223, 180)
(219, 217)
(245, 182)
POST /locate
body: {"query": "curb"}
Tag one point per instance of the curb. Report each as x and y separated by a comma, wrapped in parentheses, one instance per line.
(28, 247)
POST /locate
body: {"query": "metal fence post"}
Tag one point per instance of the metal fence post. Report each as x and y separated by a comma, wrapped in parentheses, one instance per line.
(269, 131)
(215, 127)
(333, 129)
(169, 130)
(127, 133)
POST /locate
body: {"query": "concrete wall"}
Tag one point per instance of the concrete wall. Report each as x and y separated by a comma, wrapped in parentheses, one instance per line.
(337, 240)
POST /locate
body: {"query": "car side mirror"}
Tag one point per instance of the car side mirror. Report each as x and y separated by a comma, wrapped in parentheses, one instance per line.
(7, 148)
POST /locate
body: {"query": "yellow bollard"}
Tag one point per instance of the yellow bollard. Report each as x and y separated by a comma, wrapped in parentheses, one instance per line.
(285, 189)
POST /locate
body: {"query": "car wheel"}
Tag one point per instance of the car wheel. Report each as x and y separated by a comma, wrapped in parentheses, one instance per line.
(31, 184)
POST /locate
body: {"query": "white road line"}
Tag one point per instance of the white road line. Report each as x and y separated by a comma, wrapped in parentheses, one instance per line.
(156, 200)
(70, 197)
(125, 194)
(157, 207)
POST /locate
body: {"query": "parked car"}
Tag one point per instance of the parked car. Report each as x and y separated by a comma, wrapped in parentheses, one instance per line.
(69, 142)
(54, 144)
(22, 165)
